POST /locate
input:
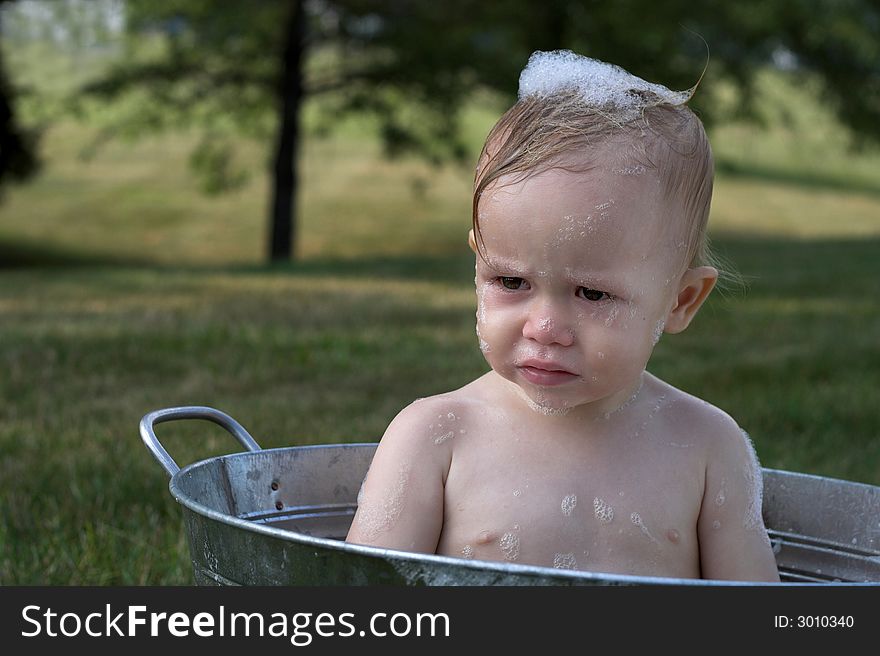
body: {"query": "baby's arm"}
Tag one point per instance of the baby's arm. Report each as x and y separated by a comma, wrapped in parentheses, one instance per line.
(400, 505)
(733, 540)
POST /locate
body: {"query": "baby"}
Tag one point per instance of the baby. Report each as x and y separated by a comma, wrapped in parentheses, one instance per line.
(590, 207)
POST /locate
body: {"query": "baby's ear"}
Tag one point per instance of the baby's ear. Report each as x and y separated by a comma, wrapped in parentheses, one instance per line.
(472, 242)
(693, 289)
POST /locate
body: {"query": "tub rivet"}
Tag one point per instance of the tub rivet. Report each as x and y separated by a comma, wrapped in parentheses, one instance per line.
(279, 505)
(274, 485)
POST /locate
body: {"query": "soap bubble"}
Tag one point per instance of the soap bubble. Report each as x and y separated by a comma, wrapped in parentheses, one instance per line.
(564, 561)
(510, 546)
(604, 512)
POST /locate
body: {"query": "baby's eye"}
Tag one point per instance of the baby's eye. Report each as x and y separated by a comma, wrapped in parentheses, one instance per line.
(509, 282)
(593, 295)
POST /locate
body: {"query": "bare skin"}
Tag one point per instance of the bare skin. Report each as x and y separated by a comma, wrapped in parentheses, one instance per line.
(568, 453)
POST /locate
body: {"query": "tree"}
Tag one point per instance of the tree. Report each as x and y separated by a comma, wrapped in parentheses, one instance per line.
(411, 63)
(234, 58)
(17, 145)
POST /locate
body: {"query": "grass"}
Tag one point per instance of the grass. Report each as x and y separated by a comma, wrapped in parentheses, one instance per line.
(122, 290)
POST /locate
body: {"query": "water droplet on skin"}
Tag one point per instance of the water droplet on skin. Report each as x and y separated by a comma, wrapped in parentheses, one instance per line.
(637, 169)
(721, 496)
(440, 439)
(568, 504)
(672, 536)
(517, 493)
(467, 551)
(600, 355)
(716, 524)
(485, 537)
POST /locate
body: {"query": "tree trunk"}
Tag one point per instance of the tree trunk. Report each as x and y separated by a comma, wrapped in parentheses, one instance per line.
(282, 239)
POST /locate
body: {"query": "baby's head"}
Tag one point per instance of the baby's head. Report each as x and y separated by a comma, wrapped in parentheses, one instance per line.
(590, 206)
(581, 114)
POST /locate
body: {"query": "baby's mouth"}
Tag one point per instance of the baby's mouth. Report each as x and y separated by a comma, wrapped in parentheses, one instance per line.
(545, 372)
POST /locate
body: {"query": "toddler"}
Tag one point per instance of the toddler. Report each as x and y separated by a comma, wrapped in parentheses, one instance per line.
(590, 205)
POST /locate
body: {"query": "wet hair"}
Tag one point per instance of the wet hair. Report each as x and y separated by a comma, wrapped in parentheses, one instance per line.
(559, 130)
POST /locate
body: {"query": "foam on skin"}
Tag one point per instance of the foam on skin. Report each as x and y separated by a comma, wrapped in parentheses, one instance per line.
(376, 517)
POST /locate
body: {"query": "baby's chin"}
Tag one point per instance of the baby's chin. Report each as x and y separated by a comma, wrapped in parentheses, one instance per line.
(544, 403)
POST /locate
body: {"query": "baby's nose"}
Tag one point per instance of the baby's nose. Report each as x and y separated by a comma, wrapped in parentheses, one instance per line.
(547, 327)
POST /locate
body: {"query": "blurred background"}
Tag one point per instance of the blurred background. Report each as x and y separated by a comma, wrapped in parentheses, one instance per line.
(263, 207)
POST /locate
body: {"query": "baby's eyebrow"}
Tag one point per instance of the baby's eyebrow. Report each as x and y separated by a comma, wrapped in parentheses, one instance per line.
(507, 265)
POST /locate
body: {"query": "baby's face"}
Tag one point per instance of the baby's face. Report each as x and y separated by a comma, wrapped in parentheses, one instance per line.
(582, 271)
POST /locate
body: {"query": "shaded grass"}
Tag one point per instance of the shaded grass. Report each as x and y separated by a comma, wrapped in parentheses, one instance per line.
(82, 499)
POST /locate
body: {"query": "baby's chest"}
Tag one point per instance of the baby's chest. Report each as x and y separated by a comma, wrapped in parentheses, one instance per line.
(573, 518)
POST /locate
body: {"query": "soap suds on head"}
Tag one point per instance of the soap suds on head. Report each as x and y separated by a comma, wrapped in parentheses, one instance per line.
(599, 84)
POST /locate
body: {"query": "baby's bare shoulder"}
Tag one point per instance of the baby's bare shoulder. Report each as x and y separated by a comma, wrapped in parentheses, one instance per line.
(438, 419)
(700, 422)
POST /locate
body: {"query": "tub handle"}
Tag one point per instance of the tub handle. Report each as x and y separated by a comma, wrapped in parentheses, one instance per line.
(148, 433)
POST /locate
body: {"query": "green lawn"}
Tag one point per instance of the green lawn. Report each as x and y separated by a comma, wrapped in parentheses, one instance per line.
(122, 290)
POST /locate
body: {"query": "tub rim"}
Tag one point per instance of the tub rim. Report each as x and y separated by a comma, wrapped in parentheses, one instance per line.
(451, 561)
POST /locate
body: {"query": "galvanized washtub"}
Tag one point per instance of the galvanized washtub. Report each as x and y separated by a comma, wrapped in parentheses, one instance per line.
(279, 517)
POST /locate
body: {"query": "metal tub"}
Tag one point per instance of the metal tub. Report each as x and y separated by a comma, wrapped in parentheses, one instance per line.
(279, 517)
